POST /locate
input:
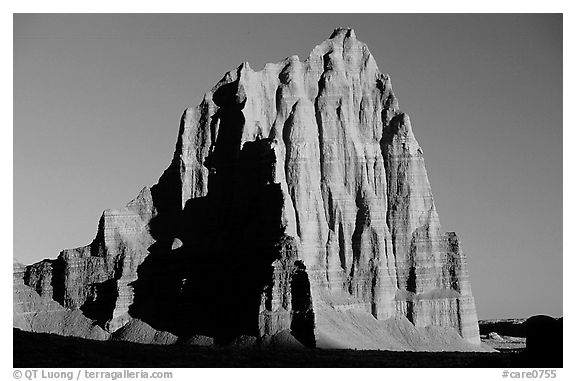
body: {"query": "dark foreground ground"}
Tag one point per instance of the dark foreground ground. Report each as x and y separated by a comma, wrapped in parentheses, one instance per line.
(36, 350)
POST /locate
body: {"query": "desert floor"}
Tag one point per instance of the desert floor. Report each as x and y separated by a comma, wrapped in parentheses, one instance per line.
(47, 350)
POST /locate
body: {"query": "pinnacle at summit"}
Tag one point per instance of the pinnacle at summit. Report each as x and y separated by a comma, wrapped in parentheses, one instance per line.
(343, 31)
(339, 50)
(297, 204)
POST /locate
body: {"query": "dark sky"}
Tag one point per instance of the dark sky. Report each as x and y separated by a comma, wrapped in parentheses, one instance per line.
(98, 98)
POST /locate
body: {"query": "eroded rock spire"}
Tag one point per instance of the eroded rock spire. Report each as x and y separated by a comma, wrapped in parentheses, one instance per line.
(297, 200)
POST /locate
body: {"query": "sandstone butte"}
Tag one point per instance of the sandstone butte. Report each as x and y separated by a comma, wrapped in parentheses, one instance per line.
(296, 209)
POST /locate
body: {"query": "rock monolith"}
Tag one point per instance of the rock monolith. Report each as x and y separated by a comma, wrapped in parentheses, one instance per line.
(296, 206)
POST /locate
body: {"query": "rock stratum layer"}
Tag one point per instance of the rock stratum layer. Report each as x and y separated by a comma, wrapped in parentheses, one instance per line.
(297, 205)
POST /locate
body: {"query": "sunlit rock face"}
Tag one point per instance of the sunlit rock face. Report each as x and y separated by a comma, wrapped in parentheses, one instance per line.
(297, 200)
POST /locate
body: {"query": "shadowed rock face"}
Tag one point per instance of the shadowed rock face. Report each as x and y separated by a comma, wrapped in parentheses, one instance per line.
(297, 200)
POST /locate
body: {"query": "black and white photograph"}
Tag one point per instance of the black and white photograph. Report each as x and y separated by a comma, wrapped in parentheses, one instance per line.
(288, 190)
